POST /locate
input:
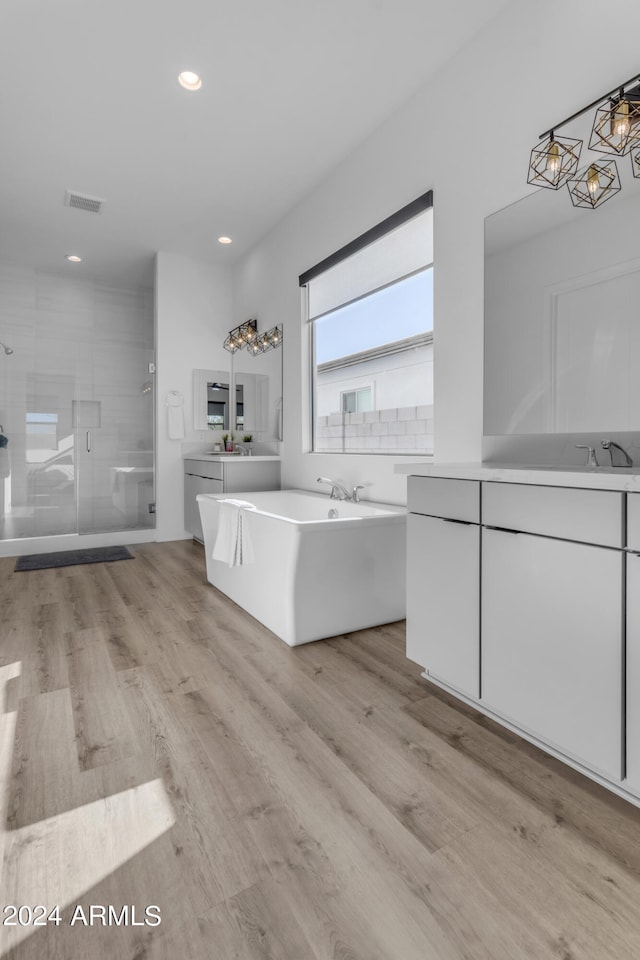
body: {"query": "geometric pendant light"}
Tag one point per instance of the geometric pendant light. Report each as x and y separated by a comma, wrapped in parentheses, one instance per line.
(554, 161)
(616, 130)
(246, 336)
(595, 184)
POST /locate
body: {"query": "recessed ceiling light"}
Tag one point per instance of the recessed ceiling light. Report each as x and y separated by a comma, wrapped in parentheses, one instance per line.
(189, 80)
(225, 240)
(72, 258)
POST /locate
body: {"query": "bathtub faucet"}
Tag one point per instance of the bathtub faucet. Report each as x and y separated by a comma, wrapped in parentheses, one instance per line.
(338, 492)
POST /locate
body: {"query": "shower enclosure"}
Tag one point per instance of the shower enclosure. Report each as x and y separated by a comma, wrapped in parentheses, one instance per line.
(76, 408)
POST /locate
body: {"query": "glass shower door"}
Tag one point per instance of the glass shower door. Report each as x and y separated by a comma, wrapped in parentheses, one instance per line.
(76, 406)
(41, 487)
(114, 416)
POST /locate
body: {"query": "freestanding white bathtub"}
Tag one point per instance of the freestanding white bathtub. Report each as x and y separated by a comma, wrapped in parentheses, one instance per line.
(314, 575)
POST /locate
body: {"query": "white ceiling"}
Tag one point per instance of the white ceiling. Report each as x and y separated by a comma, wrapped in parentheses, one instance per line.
(90, 102)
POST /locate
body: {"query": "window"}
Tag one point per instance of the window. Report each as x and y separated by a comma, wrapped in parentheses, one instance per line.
(357, 401)
(370, 310)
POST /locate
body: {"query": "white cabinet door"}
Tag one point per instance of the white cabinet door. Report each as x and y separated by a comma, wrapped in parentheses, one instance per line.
(552, 652)
(443, 584)
(192, 487)
(633, 672)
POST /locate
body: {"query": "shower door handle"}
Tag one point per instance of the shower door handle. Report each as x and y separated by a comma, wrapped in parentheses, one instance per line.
(88, 441)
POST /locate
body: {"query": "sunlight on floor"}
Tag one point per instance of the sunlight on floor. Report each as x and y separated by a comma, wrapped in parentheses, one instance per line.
(58, 859)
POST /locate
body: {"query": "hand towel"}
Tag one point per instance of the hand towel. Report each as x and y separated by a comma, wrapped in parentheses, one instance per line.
(175, 415)
(5, 466)
(233, 544)
(175, 423)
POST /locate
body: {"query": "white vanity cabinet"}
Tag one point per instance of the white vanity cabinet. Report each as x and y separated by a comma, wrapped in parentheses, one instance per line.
(529, 609)
(219, 475)
(552, 642)
(552, 619)
(443, 578)
(633, 642)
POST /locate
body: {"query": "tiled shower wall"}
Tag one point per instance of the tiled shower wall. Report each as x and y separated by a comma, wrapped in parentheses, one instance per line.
(76, 340)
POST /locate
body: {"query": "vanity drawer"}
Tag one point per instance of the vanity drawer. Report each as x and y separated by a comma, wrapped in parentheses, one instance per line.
(567, 513)
(204, 468)
(441, 497)
(633, 521)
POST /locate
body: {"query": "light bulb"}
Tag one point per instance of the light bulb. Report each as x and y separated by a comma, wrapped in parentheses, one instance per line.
(553, 157)
(620, 122)
(189, 80)
(593, 180)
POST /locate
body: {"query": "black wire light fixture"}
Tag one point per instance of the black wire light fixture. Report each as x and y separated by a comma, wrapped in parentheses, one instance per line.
(269, 340)
(616, 130)
(616, 127)
(241, 336)
(598, 182)
(247, 336)
(554, 161)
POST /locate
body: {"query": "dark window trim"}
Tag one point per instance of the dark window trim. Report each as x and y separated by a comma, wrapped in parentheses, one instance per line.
(396, 219)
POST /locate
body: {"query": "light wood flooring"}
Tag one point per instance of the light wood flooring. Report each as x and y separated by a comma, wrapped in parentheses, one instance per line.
(158, 746)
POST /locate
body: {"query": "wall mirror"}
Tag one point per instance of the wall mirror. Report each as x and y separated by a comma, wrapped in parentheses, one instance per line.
(257, 408)
(562, 333)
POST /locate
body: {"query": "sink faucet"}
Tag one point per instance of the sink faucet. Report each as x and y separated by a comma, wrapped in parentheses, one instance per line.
(619, 459)
(338, 492)
(591, 455)
(241, 447)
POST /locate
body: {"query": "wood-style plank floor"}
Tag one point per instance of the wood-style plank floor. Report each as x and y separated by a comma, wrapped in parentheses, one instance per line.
(159, 747)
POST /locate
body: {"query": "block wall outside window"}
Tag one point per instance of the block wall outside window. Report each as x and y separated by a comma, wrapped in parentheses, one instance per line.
(401, 430)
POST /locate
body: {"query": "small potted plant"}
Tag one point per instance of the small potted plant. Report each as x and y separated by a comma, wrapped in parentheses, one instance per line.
(248, 442)
(225, 440)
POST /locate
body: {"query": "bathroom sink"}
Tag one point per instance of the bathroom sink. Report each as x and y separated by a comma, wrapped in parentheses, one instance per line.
(569, 468)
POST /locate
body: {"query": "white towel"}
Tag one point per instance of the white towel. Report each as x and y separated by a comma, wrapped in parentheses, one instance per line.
(233, 544)
(176, 423)
(175, 415)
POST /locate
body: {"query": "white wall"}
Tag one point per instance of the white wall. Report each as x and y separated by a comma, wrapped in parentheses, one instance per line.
(193, 315)
(467, 135)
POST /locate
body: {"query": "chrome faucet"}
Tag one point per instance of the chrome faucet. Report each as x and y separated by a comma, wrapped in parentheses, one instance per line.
(619, 459)
(338, 492)
(355, 496)
(591, 455)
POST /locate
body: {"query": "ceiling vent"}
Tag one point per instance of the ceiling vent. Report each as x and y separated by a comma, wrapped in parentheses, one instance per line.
(81, 201)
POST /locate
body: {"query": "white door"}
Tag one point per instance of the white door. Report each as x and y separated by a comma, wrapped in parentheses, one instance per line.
(552, 642)
(443, 583)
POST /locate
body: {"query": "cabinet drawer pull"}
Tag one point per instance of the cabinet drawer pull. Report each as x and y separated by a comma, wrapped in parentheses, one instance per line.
(433, 516)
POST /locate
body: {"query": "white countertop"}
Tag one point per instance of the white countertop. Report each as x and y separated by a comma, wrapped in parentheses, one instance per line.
(224, 457)
(598, 478)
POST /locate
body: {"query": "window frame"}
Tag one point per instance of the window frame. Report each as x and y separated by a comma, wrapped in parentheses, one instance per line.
(413, 209)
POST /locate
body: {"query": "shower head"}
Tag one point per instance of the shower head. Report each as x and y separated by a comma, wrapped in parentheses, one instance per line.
(7, 350)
